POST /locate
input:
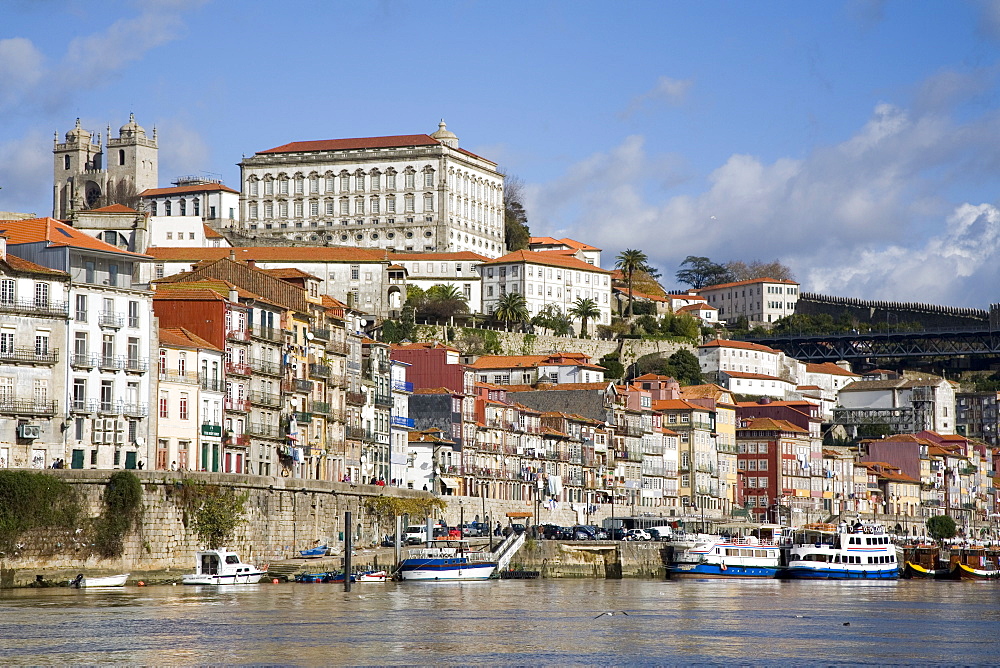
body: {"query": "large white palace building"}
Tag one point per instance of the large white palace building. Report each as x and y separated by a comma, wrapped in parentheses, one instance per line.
(409, 193)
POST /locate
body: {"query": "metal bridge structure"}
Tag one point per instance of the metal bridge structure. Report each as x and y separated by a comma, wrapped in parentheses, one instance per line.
(872, 345)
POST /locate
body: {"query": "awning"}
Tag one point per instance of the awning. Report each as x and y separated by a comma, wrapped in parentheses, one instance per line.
(453, 483)
(520, 514)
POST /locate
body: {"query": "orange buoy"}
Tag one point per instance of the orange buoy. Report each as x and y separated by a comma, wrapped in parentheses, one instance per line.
(141, 583)
(274, 581)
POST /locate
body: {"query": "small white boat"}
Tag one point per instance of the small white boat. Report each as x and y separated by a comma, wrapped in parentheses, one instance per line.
(222, 567)
(110, 581)
(446, 563)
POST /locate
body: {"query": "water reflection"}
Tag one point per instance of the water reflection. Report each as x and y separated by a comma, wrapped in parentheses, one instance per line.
(542, 621)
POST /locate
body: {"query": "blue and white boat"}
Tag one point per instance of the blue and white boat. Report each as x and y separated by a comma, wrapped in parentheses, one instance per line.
(828, 551)
(446, 563)
(755, 555)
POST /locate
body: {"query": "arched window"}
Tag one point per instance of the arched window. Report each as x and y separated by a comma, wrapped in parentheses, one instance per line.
(121, 156)
(65, 162)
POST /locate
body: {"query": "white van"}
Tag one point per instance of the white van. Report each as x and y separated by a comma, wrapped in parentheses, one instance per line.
(664, 533)
(417, 533)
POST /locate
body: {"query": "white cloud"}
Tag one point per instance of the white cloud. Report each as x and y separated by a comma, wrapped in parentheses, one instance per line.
(26, 173)
(22, 67)
(860, 218)
(666, 90)
(185, 153)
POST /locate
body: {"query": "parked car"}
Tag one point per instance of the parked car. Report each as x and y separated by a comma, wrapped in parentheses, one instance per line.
(661, 533)
(637, 534)
(584, 532)
(473, 529)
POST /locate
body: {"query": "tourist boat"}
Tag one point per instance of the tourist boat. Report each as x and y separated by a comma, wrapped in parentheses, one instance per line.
(924, 562)
(828, 551)
(222, 567)
(755, 555)
(446, 563)
(916, 571)
(972, 563)
(80, 581)
(966, 572)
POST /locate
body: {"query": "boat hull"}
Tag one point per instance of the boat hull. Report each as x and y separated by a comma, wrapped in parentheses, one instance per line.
(110, 581)
(963, 572)
(916, 571)
(720, 571)
(426, 570)
(826, 573)
(234, 579)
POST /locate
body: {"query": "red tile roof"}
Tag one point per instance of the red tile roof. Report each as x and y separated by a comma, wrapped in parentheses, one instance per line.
(566, 241)
(181, 190)
(355, 143)
(211, 234)
(548, 259)
(830, 368)
(742, 345)
(56, 233)
(456, 256)
(20, 264)
(752, 281)
(753, 376)
(113, 208)
(180, 337)
(770, 424)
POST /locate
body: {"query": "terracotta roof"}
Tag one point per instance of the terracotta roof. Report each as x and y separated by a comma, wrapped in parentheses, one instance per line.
(566, 241)
(652, 376)
(423, 345)
(456, 256)
(288, 272)
(752, 281)
(770, 424)
(113, 208)
(830, 368)
(546, 387)
(221, 287)
(195, 188)
(434, 390)
(547, 259)
(696, 307)
(178, 336)
(269, 254)
(20, 264)
(532, 361)
(742, 345)
(188, 293)
(211, 234)
(395, 141)
(641, 295)
(55, 233)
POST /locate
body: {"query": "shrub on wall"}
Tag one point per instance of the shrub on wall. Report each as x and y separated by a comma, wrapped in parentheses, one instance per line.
(123, 511)
(34, 500)
(212, 511)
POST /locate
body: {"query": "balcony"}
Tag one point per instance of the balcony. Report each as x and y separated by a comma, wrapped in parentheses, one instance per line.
(337, 348)
(264, 398)
(83, 406)
(321, 334)
(321, 371)
(40, 308)
(111, 319)
(302, 418)
(240, 405)
(12, 406)
(136, 365)
(29, 355)
(968, 470)
(383, 401)
(402, 386)
(111, 364)
(135, 410)
(174, 377)
(83, 361)
(262, 430)
(399, 421)
(238, 369)
(238, 335)
(355, 398)
(265, 368)
(242, 439)
(210, 384)
(109, 408)
(267, 333)
(360, 434)
(322, 407)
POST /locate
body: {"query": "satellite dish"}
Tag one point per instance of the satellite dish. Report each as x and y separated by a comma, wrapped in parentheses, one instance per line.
(309, 336)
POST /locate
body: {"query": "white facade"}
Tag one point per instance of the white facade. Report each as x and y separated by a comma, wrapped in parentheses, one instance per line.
(761, 300)
(757, 385)
(547, 279)
(739, 356)
(209, 201)
(425, 270)
(408, 193)
(400, 422)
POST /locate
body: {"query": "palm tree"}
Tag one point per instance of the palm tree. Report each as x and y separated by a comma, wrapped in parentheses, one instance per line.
(443, 302)
(512, 307)
(631, 261)
(585, 309)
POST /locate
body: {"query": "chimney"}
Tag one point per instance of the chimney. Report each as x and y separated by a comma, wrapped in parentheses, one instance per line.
(252, 264)
(764, 400)
(232, 254)
(234, 295)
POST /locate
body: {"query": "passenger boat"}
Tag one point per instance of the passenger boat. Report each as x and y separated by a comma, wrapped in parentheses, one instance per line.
(446, 563)
(222, 567)
(756, 555)
(80, 581)
(972, 563)
(916, 571)
(966, 572)
(924, 562)
(828, 551)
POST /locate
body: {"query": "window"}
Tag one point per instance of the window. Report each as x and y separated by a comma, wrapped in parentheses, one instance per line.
(298, 209)
(152, 208)
(390, 204)
(390, 181)
(428, 202)
(6, 342)
(355, 272)
(133, 314)
(107, 394)
(282, 209)
(253, 211)
(409, 180)
(183, 408)
(164, 404)
(183, 204)
(429, 178)
(268, 187)
(113, 275)
(283, 186)
(314, 208)
(41, 343)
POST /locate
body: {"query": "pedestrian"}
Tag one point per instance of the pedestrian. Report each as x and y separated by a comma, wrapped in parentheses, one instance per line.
(140, 464)
(173, 466)
(498, 531)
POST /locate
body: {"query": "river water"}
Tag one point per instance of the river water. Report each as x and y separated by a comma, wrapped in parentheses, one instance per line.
(508, 622)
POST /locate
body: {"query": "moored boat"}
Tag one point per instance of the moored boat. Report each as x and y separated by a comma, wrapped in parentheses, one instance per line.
(336, 576)
(971, 562)
(82, 581)
(757, 555)
(916, 571)
(446, 563)
(924, 561)
(827, 551)
(221, 567)
(966, 572)
(318, 551)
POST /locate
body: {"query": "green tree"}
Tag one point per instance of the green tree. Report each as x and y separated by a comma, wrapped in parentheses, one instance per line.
(585, 309)
(684, 366)
(551, 318)
(941, 527)
(515, 217)
(742, 271)
(700, 271)
(684, 326)
(630, 261)
(613, 367)
(442, 302)
(512, 307)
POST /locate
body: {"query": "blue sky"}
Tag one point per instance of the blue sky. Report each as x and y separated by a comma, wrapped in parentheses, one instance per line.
(854, 141)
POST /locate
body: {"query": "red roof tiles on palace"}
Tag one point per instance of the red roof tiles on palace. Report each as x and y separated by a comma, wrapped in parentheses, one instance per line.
(113, 208)
(830, 368)
(395, 141)
(457, 255)
(55, 233)
(20, 264)
(743, 345)
(721, 286)
(547, 259)
(565, 241)
(180, 190)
